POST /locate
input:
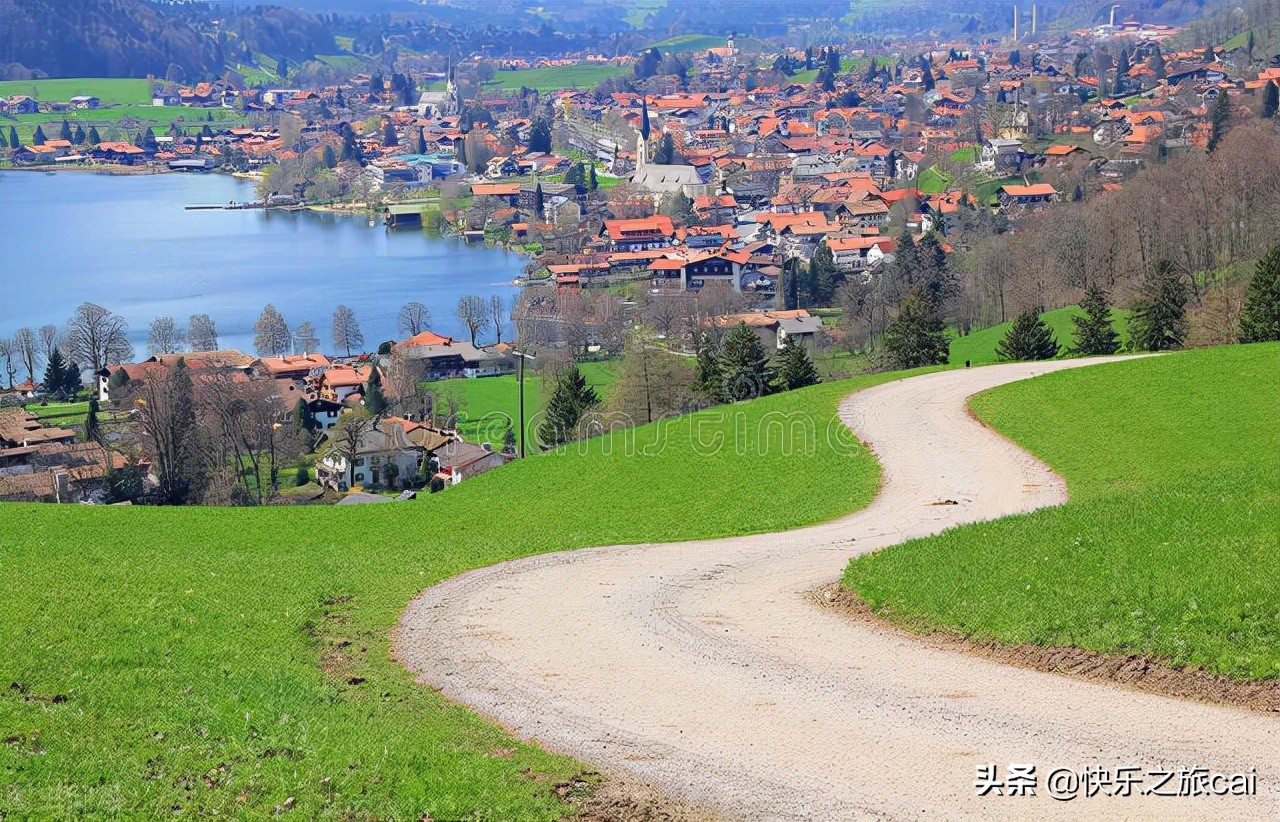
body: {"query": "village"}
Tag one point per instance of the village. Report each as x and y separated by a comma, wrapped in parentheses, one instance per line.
(776, 190)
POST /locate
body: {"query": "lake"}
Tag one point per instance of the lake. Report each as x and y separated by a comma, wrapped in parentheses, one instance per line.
(126, 243)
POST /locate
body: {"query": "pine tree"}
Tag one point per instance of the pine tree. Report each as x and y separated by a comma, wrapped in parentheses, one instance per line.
(330, 157)
(92, 428)
(540, 136)
(303, 419)
(570, 400)
(1094, 332)
(65, 132)
(1219, 120)
(795, 369)
(1159, 314)
(13, 138)
(1270, 99)
(592, 182)
(389, 135)
(743, 365)
(55, 374)
(707, 380)
(1029, 338)
(820, 284)
(282, 68)
(4, 141)
(539, 202)
(374, 400)
(71, 381)
(38, 138)
(1260, 319)
(94, 137)
(916, 336)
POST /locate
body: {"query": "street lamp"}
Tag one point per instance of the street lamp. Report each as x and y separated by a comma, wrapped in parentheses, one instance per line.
(520, 358)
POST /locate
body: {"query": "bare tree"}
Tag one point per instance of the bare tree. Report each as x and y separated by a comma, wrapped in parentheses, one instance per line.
(202, 334)
(414, 318)
(7, 349)
(271, 333)
(345, 438)
(164, 336)
(24, 341)
(498, 314)
(96, 337)
(473, 312)
(306, 338)
(165, 406)
(251, 422)
(346, 331)
(50, 337)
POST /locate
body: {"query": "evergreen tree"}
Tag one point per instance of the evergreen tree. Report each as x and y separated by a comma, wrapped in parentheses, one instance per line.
(509, 441)
(916, 337)
(1260, 319)
(820, 284)
(707, 379)
(1159, 314)
(540, 136)
(460, 151)
(94, 137)
(570, 400)
(1219, 120)
(38, 138)
(795, 369)
(282, 68)
(374, 400)
(65, 132)
(4, 141)
(302, 477)
(330, 157)
(303, 419)
(1029, 338)
(118, 386)
(1094, 332)
(592, 182)
(71, 381)
(13, 138)
(421, 147)
(55, 374)
(666, 153)
(1270, 99)
(539, 202)
(791, 288)
(644, 121)
(389, 135)
(743, 365)
(92, 428)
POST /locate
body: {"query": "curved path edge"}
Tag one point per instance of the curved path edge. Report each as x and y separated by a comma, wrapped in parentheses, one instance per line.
(707, 669)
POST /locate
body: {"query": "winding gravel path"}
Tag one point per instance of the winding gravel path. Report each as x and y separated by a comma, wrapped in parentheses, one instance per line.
(707, 668)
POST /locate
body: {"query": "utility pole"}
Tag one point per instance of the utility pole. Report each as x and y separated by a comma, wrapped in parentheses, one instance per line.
(520, 358)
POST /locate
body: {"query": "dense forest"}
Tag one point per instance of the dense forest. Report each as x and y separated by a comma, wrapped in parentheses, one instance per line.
(135, 38)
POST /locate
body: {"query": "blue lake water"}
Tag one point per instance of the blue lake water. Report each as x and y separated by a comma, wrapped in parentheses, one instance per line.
(127, 243)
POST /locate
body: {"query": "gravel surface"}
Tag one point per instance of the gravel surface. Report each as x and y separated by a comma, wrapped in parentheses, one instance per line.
(707, 668)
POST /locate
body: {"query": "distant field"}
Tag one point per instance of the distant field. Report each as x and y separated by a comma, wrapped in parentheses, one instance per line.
(932, 181)
(344, 61)
(194, 661)
(689, 43)
(488, 403)
(109, 90)
(108, 120)
(555, 78)
(637, 10)
(979, 347)
(1169, 544)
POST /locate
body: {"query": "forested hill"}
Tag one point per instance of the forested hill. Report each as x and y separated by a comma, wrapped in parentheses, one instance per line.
(134, 38)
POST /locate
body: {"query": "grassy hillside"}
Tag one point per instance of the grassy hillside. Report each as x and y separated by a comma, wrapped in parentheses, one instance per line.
(979, 347)
(223, 660)
(108, 89)
(486, 404)
(1170, 543)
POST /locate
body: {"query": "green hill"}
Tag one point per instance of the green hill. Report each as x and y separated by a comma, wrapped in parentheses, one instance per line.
(1169, 544)
(979, 347)
(202, 661)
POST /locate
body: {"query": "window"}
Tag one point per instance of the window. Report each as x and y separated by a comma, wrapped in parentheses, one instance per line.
(359, 461)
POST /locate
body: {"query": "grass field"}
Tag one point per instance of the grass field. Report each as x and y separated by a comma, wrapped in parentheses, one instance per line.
(932, 181)
(107, 89)
(62, 414)
(1169, 544)
(555, 78)
(219, 661)
(109, 121)
(489, 403)
(689, 43)
(979, 347)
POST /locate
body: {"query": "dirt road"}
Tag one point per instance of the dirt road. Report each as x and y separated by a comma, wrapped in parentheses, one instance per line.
(707, 668)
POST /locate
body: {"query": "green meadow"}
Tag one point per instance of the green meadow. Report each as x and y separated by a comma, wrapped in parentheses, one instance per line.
(108, 89)
(979, 347)
(236, 661)
(1170, 542)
